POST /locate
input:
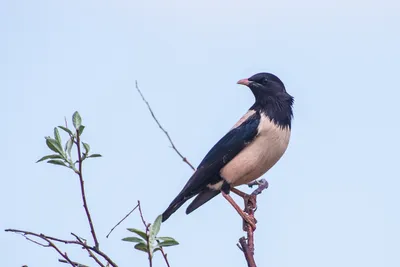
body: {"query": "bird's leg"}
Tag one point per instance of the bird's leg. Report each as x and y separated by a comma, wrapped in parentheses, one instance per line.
(246, 217)
(240, 193)
(249, 204)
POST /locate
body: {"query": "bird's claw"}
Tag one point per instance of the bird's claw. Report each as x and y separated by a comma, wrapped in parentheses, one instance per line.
(249, 221)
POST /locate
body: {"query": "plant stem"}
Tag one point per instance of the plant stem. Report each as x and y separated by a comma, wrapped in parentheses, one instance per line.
(82, 183)
(165, 256)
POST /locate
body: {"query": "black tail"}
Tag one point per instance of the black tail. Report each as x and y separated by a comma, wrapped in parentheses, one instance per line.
(171, 209)
(201, 199)
(175, 205)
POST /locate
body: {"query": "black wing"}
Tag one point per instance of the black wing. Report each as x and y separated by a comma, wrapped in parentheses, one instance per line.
(220, 154)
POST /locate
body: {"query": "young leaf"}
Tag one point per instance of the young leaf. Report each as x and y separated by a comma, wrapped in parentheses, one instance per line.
(66, 130)
(57, 162)
(49, 157)
(76, 120)
(53, 145)
(165, 238)
(95, 156)
(169, 243)
(87, 147)
(134, 239)
(80, 129)
(57, 136)
(138, 232)
(155, 227)
(141, 247)
(68, 146)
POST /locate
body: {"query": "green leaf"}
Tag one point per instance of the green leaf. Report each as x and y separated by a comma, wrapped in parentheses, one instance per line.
(95, 156)
(156, 249)
(141, 247)
(169, 243)
(153, 231)
(57, 162)
(138, 232)
(155, 227)
(165, 238)
(80, 129)
(76, 120)
(54, 145)
(66, 130)
(134, 239)
(49, 157)
(57, 136)
(87, 147)
(68, 145)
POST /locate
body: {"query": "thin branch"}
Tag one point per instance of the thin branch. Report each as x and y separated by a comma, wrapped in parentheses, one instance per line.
(165, 256)
(88, 250)
(162, 128)
(147, 235)
(36, 242)
(50, 238)
(45, 238)
(85, 206)
(64, 255)
(126, 216)
(247, 254)
(141, 216)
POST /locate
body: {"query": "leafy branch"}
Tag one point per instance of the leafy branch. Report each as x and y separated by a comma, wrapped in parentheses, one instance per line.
(63, 157)
(148, 241)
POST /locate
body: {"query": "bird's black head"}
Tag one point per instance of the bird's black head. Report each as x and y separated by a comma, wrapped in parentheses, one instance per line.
(271, 97)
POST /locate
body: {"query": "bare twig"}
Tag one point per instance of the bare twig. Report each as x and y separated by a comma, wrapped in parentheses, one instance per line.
(88, 250)
(147, 235)
(82, 183)
(244, 247)
(165, 256)
(162, 128)
(126, 216)
(45, 238)
(50, 238)
(141, 216)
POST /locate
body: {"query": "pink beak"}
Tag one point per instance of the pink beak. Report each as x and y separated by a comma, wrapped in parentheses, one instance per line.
(243, 81)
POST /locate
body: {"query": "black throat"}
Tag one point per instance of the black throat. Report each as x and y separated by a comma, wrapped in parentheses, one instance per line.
(277, 106)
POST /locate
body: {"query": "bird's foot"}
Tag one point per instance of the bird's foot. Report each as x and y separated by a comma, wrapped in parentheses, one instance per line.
(248, 221)
(248, 218)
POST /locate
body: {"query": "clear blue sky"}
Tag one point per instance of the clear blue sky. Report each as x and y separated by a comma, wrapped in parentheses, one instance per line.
(333, 198)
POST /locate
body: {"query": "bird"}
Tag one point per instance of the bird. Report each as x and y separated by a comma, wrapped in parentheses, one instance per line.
(252, 146)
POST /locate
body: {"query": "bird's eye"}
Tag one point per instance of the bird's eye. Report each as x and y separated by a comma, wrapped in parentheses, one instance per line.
(265, 81)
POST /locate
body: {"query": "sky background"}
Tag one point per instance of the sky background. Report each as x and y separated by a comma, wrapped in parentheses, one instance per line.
(333, 198)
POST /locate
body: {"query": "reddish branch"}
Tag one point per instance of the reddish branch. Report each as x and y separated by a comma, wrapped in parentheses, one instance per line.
(162, 129)
(246, 245)
(85, 206)
(165, 256)
(126, 216)
(147, 226)
(50, 240)
(89, 251)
